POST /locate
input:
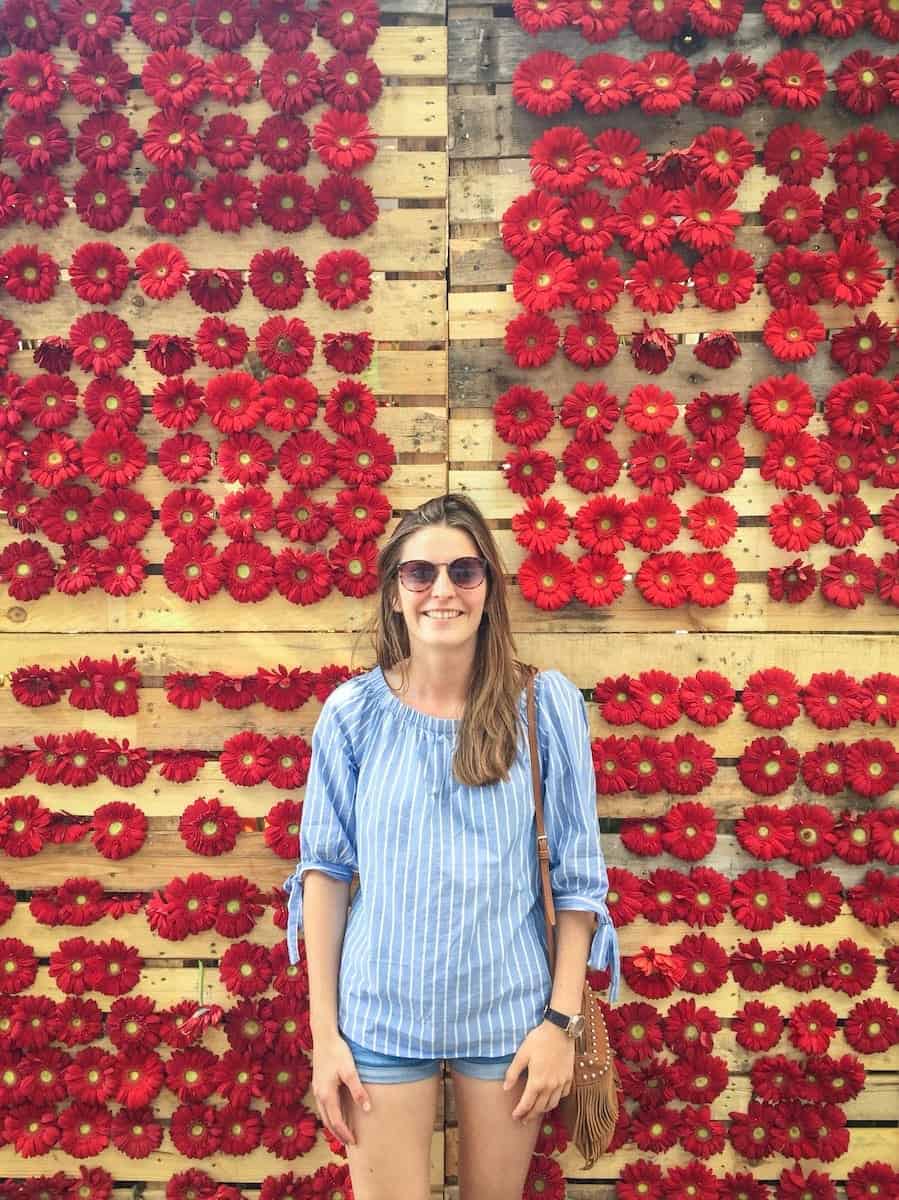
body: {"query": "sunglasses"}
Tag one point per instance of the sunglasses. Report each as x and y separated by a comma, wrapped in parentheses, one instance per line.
(417, 574)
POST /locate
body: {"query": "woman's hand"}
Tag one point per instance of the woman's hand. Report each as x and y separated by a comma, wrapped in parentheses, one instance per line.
(548, 1054)
(333, 1065)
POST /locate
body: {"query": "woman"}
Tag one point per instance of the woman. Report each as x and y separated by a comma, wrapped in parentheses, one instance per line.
(420, 782)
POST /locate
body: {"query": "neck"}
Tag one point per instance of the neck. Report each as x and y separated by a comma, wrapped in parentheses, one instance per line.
(442, 677)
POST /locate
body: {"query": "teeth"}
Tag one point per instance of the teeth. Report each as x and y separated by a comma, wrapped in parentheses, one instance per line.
(438, 616)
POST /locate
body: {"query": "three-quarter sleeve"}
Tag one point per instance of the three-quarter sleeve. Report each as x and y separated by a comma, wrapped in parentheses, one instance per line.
(328, 825)
(577, 867)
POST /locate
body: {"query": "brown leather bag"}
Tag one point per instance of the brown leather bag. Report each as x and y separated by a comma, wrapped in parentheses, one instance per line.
(590, 1110)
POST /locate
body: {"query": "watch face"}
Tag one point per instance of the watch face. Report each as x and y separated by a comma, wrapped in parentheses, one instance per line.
(576, 1026)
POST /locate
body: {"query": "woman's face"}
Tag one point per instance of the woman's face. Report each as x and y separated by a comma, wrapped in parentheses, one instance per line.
(440, 544)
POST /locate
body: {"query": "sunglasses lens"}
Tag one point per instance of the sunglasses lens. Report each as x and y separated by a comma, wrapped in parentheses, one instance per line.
(466, 572)
(416, 575)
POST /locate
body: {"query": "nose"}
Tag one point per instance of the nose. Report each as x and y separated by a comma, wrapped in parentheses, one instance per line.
(443, 585)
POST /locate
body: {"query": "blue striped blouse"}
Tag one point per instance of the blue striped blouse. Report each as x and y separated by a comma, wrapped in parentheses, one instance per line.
(444, 953)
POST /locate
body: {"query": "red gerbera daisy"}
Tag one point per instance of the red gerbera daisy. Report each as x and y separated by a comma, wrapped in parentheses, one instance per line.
(794, 276)
(794, 79)
(793, 333)
(100, 342)
(343, 278)
(768, 766)
(545, 280)
(664, 579)
(661, 82)
(547, 580)
(724, 278)
(657, 283)
(544, 83)
(862, 157)
(723, 155)
(653, 521)
(603, 84)
(561, 160)
(712, 521)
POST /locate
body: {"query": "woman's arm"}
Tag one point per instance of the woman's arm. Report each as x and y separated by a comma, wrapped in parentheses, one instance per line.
(574, 933)
(325, 903)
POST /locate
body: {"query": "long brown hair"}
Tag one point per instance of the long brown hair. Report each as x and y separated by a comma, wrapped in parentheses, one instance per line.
(488, 735)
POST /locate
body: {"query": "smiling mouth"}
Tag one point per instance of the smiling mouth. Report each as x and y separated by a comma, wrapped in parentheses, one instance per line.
(442, 616)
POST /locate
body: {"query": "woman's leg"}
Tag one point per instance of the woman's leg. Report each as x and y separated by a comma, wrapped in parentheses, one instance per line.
(392, 1156)
(494, 1151)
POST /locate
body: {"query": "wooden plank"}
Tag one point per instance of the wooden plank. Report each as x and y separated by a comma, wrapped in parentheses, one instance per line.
(408, 310)
(486, 314)
(487, 49)
(478, 373)
(403, 111)
(750, 494)
(493, 126)
(408, 240)
(735, 655)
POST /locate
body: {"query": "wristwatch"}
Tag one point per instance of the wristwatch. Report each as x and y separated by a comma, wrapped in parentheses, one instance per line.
(573, 1026)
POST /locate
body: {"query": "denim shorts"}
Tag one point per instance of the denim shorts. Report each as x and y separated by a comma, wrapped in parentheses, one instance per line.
(374, 1067)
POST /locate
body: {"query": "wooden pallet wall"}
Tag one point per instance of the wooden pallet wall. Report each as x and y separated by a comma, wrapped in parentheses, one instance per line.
(406, 316)
(490, 140)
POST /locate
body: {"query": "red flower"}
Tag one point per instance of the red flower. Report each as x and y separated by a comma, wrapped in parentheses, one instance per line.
(544, 280)
(792, 333)
(717, 349)
(862, 157)
(561, 160)
(523, 416)
(712, 579)
(173, 78)
(48, 401)
(209, 827)
(795, 523)
(277, 278)
(793, 583)
(343, 278)
(851, 209)
(233, 401)
(879, 695)
(709, 220)
(531, 340)
(598, 283)
(712, 521)
(29, 275)
(652, 522)
(619, 160)
(532, 222)
(706, 960)
(822, 768)
(764, 831)
(652, 350)
(864, 347)
(659, 462)
(27, 568)
(229, 201)
(230, 78)
(794, 79)
(657, 283)
(661, 82)
(604, 81)
(758, 899)
(870, 1179)
(852, 275)
(848, 578)
(664, 579)
(872, 766)
(349, 353)
(727, 87)
(170, 205)
(598, 579)
(794, 276)
(534, 17)
(689, 828)
(349, 25)
(591, 466)
(100, 342)
(645, 220)
(544, 83)
(724, 278)
(812, 1026)
(367, 457)
(706, 698)
(547, 580)
(351, 82)
(529, 472)
(100, 80)
(723, 155)
(592, 342)
(649, 409)
(344, 140)
(590, 410)
(814, 897)
(787, 19)
(346, 206)
(792, 213)
(169, 353)
(768, 766)
(757, 1026)
(771, 698)
(846, 522)
(162, 270)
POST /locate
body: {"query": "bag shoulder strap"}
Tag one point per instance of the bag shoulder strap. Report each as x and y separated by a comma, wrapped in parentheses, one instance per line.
(549, 909)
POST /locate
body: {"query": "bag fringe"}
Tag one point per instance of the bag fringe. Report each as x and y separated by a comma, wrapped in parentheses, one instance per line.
(591, 1114)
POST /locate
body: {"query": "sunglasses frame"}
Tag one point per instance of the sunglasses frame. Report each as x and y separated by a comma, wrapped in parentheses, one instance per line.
(449, 565)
